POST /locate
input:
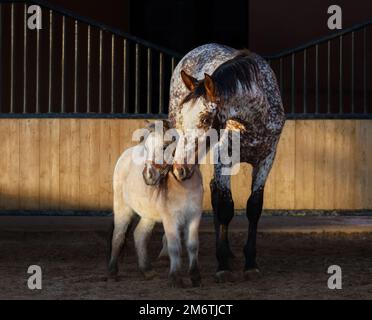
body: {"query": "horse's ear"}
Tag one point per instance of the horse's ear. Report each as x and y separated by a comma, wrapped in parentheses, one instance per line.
(210, 87)
(189, 81)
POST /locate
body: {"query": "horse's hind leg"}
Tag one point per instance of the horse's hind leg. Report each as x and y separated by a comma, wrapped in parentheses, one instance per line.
(122, 218)
(254, 209)
(141, 235)
(192, 244)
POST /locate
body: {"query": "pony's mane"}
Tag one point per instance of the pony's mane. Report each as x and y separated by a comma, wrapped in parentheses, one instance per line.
(238, 72)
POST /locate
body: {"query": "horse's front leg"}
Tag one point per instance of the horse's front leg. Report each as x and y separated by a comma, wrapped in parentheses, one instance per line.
(141, 236)
(223, 210)
(173, 236)
(254, 210)
(192, 244)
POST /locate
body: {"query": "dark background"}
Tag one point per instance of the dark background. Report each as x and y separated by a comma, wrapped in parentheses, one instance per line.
(265, 26)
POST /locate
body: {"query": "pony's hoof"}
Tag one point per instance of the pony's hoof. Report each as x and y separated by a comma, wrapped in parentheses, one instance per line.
(176, 282)
(149, 274)
(224, 276)
(252, 274)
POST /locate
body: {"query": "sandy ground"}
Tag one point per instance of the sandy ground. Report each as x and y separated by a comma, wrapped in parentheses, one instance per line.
(294, 254)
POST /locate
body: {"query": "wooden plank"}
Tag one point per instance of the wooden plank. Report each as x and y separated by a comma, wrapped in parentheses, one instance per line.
(89, 181)
(9, 164)
(304, 168)
(109, 154)
(344, 158)
(69, 155)
(29, 170)
(368, 145)
(361, 164)
(324, 164)
(285, 168)
(127, 128)
(49, 164)
(364, 175)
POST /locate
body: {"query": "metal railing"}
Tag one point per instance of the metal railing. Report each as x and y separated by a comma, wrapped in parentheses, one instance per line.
(78, 67)
(328, 77)
(75, 65)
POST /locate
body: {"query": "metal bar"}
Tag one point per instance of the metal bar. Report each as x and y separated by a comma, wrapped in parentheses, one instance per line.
(316, 79)
(352, 73)
(125, 76)
(93, 23)
(100, 71)
(341, 80)
(37, 102)
(137, 80)
(76, 37)
(24, 109)
(161, 83)
(63, 106)
(12, 58)
(88, 70)
(304, 89)
(365, 70)
(320, 40)
(329, 77)
(112, 72)
(50, 60)
(1, 60)
(293, 84)
(149, 80)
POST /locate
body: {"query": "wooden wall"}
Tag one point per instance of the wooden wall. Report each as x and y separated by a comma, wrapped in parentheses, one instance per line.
(68, 164)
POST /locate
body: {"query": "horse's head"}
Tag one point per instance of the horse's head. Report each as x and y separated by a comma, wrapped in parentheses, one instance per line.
(198, 112)
(158, 157)
(211, 101)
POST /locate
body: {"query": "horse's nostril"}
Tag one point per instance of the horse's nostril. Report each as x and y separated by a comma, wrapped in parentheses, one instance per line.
(183, 172)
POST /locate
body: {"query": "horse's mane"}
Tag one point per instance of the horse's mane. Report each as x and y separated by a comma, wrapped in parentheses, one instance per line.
(240, 71)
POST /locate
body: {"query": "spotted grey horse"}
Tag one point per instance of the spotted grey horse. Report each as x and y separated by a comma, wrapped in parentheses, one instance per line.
(215, 86)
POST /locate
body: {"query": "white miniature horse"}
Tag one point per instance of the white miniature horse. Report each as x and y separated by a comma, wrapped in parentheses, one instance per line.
(161, 198)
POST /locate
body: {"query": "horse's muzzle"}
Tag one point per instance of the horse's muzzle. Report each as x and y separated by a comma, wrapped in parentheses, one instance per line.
(182, 172)
(151, 176)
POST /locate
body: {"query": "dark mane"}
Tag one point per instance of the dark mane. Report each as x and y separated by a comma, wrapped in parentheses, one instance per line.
(241, 69)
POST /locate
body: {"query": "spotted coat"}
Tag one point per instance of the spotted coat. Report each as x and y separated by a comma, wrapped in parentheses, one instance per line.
(258, 114)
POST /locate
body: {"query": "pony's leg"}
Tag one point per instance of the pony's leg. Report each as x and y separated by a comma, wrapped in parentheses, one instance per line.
(122, 219)
(254, 210)
(141, 236)
(173, 235)
(192, 245)
(164, 251)
(223, 209)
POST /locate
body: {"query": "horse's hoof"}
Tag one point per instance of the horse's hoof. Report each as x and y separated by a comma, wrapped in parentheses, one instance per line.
(176, 282)
(149, 274)
(224, 276)
(252, 274)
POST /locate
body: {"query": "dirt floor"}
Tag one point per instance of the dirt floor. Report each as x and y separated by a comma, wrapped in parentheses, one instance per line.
(293, 253)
